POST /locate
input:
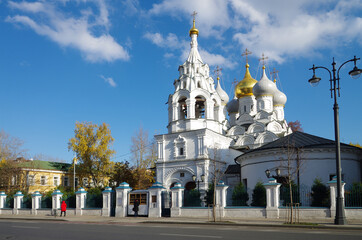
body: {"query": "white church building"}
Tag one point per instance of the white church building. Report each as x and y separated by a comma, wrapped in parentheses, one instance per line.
(208, 135)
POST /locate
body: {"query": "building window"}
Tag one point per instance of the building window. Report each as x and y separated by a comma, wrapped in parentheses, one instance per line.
(245, 183)
(182, 174)
(56, 181)
(181, 151)
(76, 182)
(43, 180)
(141, 197)
(85, 182)
(66, 181)
(180, 147)
(30, 180)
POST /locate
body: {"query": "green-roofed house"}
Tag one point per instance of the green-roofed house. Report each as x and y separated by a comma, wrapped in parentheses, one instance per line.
(44, 176)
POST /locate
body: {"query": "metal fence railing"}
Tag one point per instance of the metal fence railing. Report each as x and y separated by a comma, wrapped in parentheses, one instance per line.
(301, 195)
(94, 201)
(192, 198)
(353, 195)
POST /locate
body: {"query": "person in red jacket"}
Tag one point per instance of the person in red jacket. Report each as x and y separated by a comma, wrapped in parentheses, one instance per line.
(63, 208)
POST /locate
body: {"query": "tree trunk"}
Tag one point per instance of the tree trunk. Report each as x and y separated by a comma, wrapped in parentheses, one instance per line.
(214, 201)
(291, 202)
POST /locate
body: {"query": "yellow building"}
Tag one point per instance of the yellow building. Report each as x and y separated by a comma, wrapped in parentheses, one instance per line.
(44, 176)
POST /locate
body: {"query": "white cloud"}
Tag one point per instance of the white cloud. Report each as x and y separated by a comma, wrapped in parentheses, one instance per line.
(109, 80)
(172, 43)
(73, 32)
(281, 29)
(291, 30)
(211, 18)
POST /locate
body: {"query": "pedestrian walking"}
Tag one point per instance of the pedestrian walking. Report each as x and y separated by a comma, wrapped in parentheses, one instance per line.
(63, 208)
(135, 208)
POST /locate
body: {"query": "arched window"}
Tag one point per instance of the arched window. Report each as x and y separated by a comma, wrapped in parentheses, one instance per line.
(183, 108)
(181, 151)
(200, 107)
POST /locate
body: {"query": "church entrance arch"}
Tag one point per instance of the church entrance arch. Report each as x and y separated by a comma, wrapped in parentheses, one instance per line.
(190, 185)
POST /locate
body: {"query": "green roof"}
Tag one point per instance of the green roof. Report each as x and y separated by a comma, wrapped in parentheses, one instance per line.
(45, 165)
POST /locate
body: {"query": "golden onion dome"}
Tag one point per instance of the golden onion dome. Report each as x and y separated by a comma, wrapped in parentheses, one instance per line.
(194, 30)
(245, 86)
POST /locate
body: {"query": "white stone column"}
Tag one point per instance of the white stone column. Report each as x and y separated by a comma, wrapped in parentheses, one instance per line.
(177, 194)
(35, 202)
(209, 109)
(107, 196)
(190, 108)
(221, 197)
(18, 200)
(221, 194)
(175, 111)
(2, 199)
(155, 191)
(80, 199)
(333, 194)
(122, 199)
(272, 198)
(56, 199)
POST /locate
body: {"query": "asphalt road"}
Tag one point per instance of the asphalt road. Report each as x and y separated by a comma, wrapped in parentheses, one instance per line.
(70, 230)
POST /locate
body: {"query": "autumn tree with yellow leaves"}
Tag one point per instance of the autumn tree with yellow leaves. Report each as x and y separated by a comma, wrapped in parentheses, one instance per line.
(91, 144)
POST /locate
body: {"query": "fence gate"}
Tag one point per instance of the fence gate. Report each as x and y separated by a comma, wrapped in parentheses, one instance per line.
(113, 203)
(166, 204)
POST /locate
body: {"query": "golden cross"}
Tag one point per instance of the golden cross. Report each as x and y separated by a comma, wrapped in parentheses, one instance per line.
(246, 53)
(194, 14)
(274, 73)
(218, 71)
(263, 58)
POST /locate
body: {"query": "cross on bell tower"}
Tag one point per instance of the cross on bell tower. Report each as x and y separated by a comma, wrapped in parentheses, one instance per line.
(274, 73)
(246, 53)
(218, 72)
(194, 15)
(263, 59)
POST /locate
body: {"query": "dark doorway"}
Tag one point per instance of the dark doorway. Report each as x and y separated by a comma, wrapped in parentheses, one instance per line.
(190, 185)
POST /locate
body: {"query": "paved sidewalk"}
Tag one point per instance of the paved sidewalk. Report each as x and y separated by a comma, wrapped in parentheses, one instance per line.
(259, 222)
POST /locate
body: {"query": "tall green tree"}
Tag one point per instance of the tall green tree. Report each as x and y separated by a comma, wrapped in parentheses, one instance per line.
(91, 144)
(122, 172)
(240, 196)
(259, 195)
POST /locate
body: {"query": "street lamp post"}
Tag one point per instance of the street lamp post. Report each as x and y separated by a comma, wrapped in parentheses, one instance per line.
(74, 162)
(340, 218)
(198, 181)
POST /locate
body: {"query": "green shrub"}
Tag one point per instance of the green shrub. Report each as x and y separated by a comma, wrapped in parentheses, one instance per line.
(240, 196)
(259, 195)
(209, 198)
(320, 194)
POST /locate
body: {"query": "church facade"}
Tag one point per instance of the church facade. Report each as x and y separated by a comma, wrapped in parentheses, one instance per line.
(208, 133)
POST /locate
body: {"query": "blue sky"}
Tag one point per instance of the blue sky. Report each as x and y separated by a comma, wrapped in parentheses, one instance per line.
(115, 62)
